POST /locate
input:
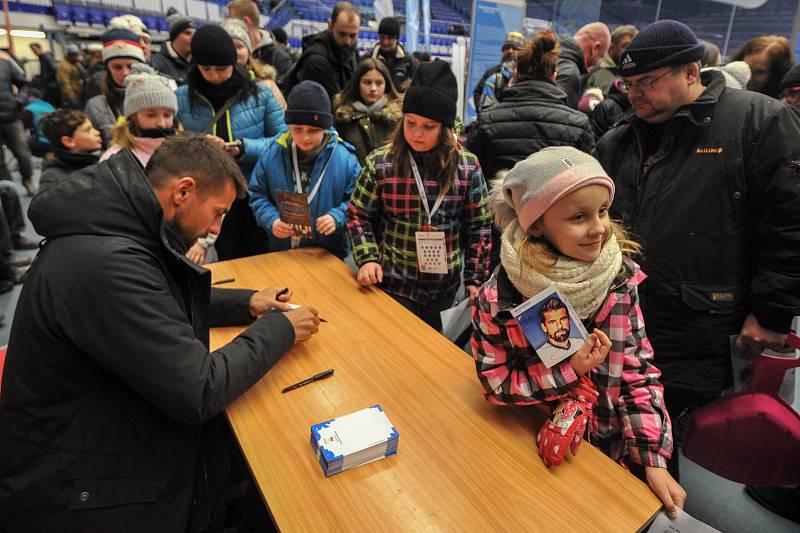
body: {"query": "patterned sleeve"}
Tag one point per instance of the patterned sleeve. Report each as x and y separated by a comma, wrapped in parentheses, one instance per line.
(362, 214)
(476, 227)
(509, 370)
(645, 422)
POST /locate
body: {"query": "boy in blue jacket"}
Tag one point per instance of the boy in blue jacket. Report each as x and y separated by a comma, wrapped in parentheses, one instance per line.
(309, 158)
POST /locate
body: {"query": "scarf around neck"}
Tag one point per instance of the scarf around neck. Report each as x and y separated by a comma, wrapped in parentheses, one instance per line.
(584, 284)
(358, 105)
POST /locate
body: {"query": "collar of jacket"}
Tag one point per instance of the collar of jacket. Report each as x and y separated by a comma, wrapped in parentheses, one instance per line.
(173, 54)
(701, 111)
(399, 52)
(392, 111)
(527, 89)
(266, 40)
(283, 138)
(572, 51)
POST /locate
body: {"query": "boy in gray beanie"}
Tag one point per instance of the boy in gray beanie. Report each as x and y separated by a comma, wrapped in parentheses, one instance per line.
(175, 55)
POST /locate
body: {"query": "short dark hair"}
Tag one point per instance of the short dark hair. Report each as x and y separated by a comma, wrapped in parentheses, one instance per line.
(344, 7)
(195, 156)
(60, 123)
(280, 35)
(553, 304)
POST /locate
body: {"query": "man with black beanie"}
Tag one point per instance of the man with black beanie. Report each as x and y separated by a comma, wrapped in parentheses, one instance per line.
(706, 178)
(176, 54)
(330, 57)
(401, 65)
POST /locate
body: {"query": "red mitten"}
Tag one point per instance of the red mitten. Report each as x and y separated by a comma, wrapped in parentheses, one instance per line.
(563, 430)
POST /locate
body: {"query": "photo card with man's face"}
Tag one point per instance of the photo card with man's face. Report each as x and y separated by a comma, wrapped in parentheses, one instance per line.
(551, 326)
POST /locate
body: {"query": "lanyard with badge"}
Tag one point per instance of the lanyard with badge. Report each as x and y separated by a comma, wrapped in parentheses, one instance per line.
(300, 196)
(431, 247)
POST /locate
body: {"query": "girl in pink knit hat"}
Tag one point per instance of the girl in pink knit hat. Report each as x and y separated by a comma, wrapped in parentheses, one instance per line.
(553, 211)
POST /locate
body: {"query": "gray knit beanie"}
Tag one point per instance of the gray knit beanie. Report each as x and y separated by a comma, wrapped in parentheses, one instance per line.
(237, 30)
(178, 23)
(540, 180)
(146, 89)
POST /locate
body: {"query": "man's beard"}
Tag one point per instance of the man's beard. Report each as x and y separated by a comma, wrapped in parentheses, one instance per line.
(177, 236)
(561, 335)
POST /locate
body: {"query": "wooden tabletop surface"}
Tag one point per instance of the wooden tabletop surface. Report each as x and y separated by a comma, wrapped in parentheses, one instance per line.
(462, 463)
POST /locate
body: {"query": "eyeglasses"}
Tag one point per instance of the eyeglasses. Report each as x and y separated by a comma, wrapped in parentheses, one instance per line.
(644, 84)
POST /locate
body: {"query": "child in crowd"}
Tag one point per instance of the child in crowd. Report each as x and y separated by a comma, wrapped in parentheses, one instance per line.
(422, 193)
(148, 114)
(553, 210)
(76, 144)
(35, 109)
(309, 158)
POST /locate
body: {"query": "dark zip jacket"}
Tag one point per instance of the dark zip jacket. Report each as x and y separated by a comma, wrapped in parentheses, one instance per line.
(718, 213)
(109, 385)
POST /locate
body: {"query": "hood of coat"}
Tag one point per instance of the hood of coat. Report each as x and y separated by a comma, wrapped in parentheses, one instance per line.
(572, 51)
(391, 112)
(266, 41)
(113, 198)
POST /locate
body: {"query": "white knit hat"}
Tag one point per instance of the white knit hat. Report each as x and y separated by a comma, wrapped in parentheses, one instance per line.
(237, 30)
(146, 89)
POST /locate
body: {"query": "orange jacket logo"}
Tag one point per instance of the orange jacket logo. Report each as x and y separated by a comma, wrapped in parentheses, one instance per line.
(700, 150)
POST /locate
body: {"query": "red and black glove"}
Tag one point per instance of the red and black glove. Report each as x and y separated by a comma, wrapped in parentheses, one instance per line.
(566, 426)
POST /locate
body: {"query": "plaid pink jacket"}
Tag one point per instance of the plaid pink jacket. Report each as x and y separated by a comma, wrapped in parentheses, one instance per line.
(630, 421)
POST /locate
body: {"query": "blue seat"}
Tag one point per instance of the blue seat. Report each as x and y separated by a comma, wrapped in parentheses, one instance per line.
(80, 14)
(63, 13)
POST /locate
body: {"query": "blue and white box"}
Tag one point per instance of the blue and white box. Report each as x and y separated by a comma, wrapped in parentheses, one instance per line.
(354, 439)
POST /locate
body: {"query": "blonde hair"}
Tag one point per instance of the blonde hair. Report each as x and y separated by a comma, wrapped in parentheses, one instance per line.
(122, 133)
(536, 252)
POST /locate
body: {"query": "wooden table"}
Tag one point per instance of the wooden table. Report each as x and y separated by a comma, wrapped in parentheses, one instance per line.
(462, 463)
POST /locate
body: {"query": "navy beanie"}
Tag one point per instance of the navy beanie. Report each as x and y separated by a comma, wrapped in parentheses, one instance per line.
(792, 78)
(666, 43)
(309, 104)
(389, 26)
(433, 93)
(213, 46)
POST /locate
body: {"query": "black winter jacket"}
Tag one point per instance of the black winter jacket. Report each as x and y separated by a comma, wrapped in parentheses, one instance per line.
(609, 111)
(324, 62)
(571, 69)
(532, 115)
(170, 64)
(718, 213)
(109, 382)
(64, 163)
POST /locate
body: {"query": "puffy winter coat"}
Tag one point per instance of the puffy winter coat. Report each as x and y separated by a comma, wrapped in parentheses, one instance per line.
(252, 121)
(571, 69)
(717, 210)
(274, 172)
(532, 115)
(368, 132)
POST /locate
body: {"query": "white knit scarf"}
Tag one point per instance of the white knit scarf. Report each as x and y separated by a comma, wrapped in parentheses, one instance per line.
(584, 284)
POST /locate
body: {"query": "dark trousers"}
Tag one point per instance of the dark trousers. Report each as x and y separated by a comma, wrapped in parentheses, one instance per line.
(240, 235)
(429, 313)
(681, 403)
(12, 135)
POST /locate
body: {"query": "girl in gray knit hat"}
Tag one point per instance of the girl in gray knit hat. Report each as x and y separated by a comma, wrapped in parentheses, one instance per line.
(148, 114)
(553, 210)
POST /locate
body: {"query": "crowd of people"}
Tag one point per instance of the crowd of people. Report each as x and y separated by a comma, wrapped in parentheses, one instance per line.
(650, 183)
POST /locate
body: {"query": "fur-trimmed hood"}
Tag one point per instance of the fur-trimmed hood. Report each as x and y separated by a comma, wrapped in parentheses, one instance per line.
(391, 112)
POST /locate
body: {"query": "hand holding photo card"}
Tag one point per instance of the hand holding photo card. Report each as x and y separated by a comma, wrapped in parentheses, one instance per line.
(293, 208)
(551, 326)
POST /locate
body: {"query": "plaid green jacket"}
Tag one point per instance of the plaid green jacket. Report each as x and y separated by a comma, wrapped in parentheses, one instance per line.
(385, 212)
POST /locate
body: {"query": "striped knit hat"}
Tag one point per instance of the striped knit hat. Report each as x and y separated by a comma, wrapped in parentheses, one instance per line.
(119, 42)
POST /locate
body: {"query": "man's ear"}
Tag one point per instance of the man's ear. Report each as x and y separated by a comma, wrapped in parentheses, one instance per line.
(541, 325)
(247, 21)
(330, 25)
(183, 189)
(693, 73)
(67, 142)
